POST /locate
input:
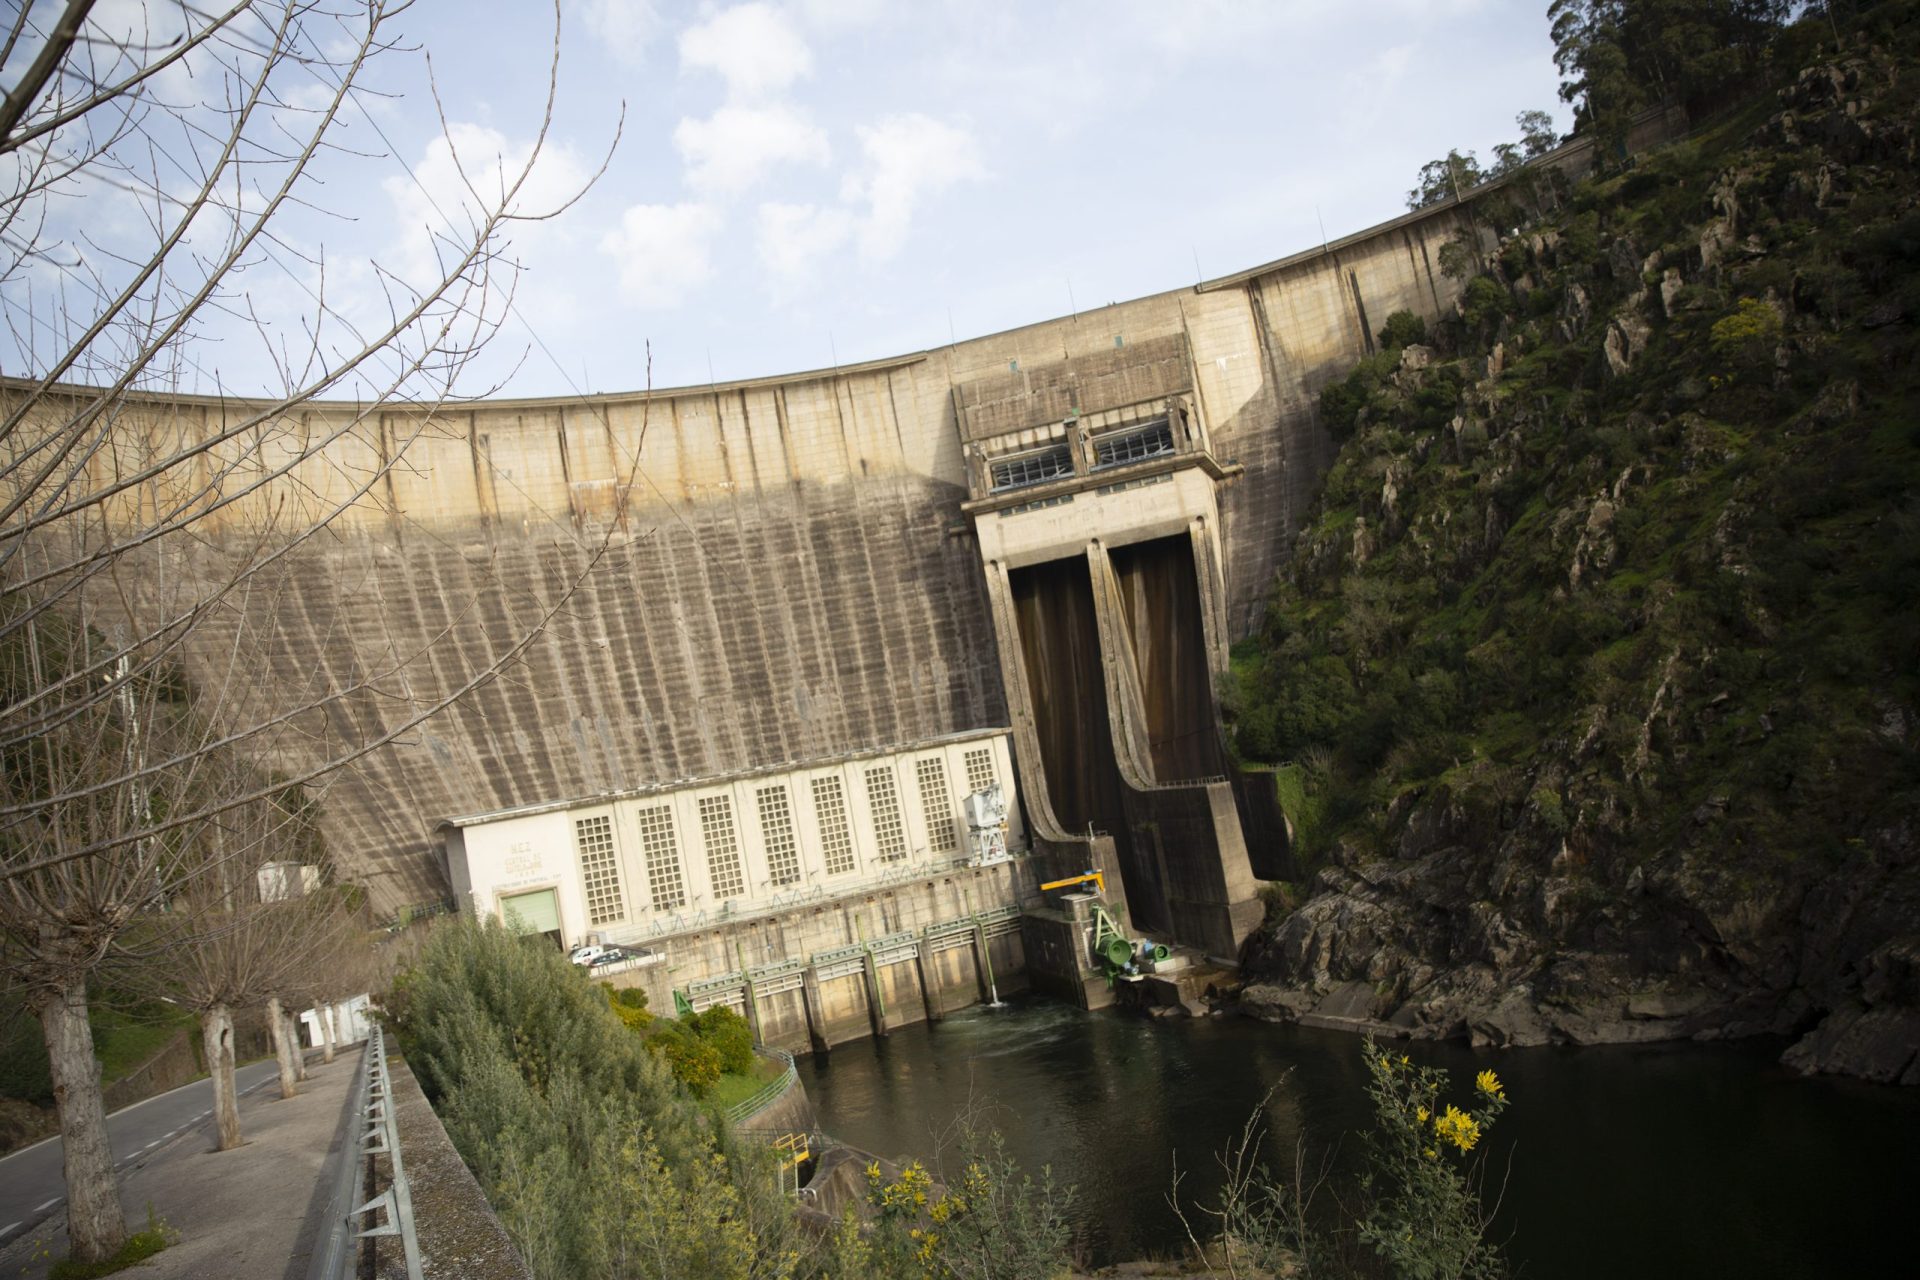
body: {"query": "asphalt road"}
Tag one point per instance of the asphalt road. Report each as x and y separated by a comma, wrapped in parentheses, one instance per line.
(33, 1184)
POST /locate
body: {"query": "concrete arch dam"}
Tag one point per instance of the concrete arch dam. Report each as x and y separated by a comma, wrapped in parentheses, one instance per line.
(1055, 531)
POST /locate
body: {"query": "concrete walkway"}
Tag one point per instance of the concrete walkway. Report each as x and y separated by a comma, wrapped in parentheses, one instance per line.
(251, 1212)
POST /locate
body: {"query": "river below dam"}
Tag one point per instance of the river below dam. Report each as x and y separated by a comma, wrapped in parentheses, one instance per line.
(1683, 1160)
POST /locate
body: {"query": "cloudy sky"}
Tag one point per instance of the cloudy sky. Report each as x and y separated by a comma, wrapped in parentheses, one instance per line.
(803, 182)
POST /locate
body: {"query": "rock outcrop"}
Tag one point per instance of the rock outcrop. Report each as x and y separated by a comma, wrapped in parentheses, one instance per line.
(1603, 679)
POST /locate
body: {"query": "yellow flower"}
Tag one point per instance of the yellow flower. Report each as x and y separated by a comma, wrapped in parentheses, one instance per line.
(1421, 1114)
(1457, 1127)
(1489, 1084)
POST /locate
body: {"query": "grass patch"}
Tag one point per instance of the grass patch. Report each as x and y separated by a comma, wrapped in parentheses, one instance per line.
(1290, 781)
(734, 1088)
(125, 1037)
(140, 1246)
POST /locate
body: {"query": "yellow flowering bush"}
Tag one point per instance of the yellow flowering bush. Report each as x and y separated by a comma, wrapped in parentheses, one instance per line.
(1423, 1214)
(987, 1221)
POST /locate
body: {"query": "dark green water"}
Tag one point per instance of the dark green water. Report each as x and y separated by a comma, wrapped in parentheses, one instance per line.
(1654, 1161)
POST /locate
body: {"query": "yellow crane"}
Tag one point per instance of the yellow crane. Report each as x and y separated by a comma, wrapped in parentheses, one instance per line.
(1099, 882)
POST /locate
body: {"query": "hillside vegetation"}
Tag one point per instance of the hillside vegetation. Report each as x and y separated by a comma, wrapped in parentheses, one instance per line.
(1598, 667)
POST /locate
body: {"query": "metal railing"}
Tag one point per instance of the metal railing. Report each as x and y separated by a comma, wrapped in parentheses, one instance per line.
(763, 1097)
(794, 1150)
(382, 1137)
(334, 1255)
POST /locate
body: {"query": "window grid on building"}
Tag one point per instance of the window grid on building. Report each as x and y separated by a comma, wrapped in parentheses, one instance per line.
(662, 853)
(979, 764)
(1032, 468)
(1133, 444)
(723, 847)
(830, 810)
(935, 803)
(776, 828)
(883, 806)
(600, 869)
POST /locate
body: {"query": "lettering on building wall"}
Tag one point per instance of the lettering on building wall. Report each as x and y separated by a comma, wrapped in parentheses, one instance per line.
(522, 862)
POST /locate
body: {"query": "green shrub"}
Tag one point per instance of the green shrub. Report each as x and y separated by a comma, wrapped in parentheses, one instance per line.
(1342, 401)
(585, 1145)
(1403, 329)
(1748, 335)
(729, 1035)
(1417, 1209)
(630, 1006)
(694, 1063)
(1484, 304)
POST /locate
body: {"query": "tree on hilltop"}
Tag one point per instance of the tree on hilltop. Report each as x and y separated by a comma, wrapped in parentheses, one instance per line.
(1617, 58)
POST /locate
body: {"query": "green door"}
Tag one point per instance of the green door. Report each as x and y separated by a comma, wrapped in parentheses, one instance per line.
(536, 912)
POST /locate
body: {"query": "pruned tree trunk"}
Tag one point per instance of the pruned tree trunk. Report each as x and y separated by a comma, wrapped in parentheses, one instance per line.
(282, 1050)
(326, 1034)
(299, 1049)
(216, 1035)
(95, 1224)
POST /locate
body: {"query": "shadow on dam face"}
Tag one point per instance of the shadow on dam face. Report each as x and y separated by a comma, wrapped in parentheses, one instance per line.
(1060, 652)
(1161, 595)
(1114, 652)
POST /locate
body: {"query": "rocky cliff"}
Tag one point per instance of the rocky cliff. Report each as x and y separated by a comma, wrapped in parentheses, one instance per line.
(1599, 664)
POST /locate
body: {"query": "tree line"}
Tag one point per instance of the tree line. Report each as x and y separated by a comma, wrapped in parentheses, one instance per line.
(1618, 58)
(162, 204)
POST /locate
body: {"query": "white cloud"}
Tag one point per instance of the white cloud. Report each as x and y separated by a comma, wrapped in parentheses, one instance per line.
(737, 146)
(624, 28)
(754, 47)
(908, 157)
(793, 238)
(843, 13)
(464, 172)
(663, 251)
(1389, 65)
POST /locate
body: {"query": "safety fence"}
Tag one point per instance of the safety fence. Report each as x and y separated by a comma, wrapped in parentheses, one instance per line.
(763, 1097)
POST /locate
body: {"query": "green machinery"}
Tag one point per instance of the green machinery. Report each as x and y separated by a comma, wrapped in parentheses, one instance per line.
(1114, 951)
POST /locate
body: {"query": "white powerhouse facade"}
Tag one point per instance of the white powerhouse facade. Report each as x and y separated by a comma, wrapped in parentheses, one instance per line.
(628, 866)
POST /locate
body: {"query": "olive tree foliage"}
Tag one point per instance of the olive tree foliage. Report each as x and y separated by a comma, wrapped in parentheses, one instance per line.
(598, 1164)
(161, 203)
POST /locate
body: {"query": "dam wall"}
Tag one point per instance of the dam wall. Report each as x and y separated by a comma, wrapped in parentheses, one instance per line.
(725, 577)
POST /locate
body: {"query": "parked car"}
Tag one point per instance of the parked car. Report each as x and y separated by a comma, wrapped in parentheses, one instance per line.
(589, 954)
(608, 955)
